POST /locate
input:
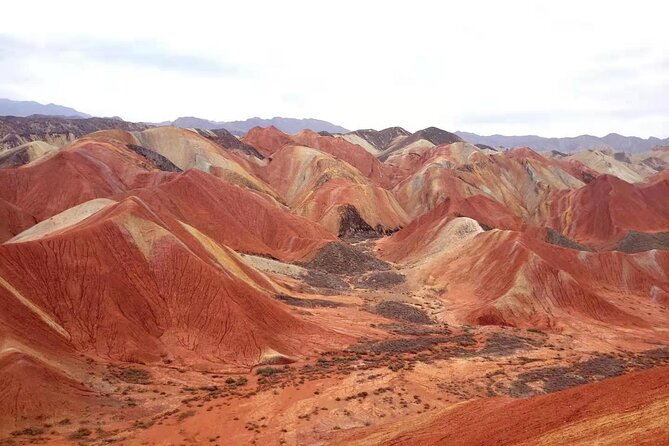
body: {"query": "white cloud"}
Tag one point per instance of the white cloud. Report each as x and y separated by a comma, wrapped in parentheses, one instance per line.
(551, 68)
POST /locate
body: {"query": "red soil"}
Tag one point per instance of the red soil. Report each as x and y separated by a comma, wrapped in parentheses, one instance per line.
(415, 236)
(659, 177)
(624, 410)
(524, 282)
(356, 156)
(35, 365)
(315, 185)
(155, 278)
(601, 212)
(239, 218)
(85, 170)
(375, 205)
(132, 284)
(13, 220)
(520, 180)
(31, 390)
(267, 140)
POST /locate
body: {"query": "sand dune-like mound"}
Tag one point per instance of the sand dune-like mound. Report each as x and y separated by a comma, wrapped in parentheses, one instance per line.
(429, 137)
(606, 163)
(525, 282)
(132, 284)
(32, 391)
(658, 177)
(40, 373)
(267, 140)
(521, 180)
(623, 410)
(324, 189)
(348, 208)
(237, 217)
(605, 210)
(376, 141)
(423, 238)
(360, 141)
(576, 169)
(366, 163)
(86, 170)
(187, 149)
(229, 141)
(434, 228)
(453, 155)
(429, 187)
(656, 159)
(25, 154)
(13, 220)
(63, 221)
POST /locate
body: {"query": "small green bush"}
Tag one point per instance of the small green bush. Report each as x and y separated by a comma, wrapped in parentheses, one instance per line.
(267, 371)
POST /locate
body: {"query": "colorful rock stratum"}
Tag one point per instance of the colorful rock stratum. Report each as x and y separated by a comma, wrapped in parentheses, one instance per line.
(167, 286)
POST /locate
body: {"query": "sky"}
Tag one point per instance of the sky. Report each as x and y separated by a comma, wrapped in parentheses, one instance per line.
(509, 67)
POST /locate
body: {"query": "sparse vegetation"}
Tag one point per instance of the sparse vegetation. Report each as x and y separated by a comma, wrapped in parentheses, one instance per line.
(133, 375)
(29, 431)
(183, 415)
(307, 303)
(268, 371)
(80, 434)
(402, 312)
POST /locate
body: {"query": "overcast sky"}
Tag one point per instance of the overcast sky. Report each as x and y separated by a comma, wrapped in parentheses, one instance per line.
(512, 67)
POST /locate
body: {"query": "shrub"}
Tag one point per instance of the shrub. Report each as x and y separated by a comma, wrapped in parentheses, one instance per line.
(81, 433)
(31, 431)
(267, 371)
(134, 375)
(183, 415)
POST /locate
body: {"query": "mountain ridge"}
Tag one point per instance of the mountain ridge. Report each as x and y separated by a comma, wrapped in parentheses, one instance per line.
(10, 107)
(615, 141)
(570, 144)
(239, 128)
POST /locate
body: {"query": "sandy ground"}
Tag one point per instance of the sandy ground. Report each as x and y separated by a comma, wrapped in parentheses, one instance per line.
(396, 369)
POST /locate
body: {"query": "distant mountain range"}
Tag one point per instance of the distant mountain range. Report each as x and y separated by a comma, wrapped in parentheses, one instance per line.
(286, 125)
(27, 108)
(613, 141)
(57, 130)
(9, 107)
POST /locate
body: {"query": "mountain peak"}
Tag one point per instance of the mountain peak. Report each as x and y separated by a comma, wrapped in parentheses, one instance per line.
(240, 128)
(9, 107)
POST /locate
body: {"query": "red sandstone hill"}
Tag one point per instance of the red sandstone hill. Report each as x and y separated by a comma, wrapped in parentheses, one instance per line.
(366, 163)
(13, 220)
(124, 248)
(271, 140)
(86, 170)
(603, 211)
(525, 282)
(659, 177)
(267, 140)
(92, 168)
(324, 189)
(240, 218)
(131, 283)
(424, 230)
(40, 372)
(520, 180)
(176, 149)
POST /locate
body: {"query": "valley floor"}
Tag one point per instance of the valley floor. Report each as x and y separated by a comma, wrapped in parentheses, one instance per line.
(407, 370)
